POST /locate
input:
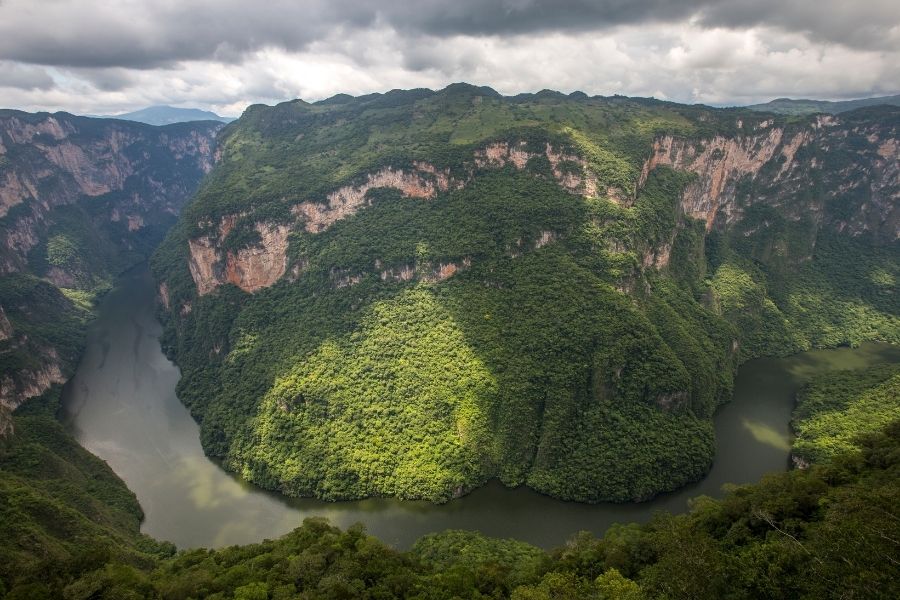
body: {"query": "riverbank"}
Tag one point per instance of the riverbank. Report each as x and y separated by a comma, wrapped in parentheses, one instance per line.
(122, 406)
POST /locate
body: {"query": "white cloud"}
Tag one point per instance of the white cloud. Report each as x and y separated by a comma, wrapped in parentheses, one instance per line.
(685, 62)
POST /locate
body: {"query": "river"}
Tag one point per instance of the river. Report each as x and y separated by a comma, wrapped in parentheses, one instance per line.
(121, 405)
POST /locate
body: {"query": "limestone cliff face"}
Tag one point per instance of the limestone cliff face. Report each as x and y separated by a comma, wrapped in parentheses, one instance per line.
(138, 173)
(799, 170)
(250, 268)
(6, 330)
(422, 182)
(107, 188)
(719, 164)
(33, 381)
(570, 171)
(263, 263)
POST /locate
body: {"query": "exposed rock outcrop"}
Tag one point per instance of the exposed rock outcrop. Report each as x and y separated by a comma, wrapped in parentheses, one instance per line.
(569, 170)
(546, 237)
(658, 257)
(427, 272)
(61, 159)
(424, 182)
(782, 164)
(6, 330)
(17, 387)
(163, 295)
(262, 264)
(251, 268)
(719, 164)
(203, 263)
(401, 273)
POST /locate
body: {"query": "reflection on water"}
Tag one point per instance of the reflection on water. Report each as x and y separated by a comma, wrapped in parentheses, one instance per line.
(122, 406)
(766, 434)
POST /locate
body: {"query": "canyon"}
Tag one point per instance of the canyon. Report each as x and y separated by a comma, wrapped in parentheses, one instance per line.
(80, 199)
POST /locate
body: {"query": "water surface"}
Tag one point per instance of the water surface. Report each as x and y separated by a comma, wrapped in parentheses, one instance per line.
(122, 407)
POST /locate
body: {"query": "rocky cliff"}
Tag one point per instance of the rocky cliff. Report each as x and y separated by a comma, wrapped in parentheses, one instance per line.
(134, 175)
(260, 265)
(80, 200)
(772, 164)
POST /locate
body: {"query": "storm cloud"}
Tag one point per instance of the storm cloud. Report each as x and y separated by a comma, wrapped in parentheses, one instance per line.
(106, 55)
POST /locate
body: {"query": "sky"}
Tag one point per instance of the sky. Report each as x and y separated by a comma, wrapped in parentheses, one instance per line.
(107, 57)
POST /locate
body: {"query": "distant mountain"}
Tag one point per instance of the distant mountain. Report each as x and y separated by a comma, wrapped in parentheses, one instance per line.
(166, 115)
(787, 106)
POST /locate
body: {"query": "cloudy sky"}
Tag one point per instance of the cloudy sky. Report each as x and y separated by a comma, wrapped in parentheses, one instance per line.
(109, 56)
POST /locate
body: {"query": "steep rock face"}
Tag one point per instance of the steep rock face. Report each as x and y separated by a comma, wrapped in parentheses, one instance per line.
(569, 170)
(250, 268)
(80, 200)
(31, 382)
(203, 264)
(719, 164)
(6, 330)
(56, 160)
(262, 264)
(845, 159)
(424, 182)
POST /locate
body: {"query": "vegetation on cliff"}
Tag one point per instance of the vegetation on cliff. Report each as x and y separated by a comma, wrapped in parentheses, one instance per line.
(478, 286)
(63, 512)
(833, 410)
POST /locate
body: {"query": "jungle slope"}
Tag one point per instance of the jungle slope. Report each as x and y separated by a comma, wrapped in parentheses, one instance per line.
(406, 294)
(834, 410)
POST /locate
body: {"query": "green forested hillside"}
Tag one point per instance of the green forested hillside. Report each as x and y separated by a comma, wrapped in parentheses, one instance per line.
(789, 106)
(832, 411)
(473, 286)
(63, 512)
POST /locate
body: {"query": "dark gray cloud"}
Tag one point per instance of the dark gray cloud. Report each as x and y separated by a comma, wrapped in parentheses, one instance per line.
(861, 23)
(108, 56)
(24, 77)
(152, 34)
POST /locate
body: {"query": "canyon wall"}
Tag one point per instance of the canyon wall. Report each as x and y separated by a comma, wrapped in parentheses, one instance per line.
(798, 169)
(136, 174)
(80, 199)
(769, 164)
(264, 262)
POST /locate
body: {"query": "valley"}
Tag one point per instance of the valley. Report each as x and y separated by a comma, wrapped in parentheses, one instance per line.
(121, 405)
(460, 326)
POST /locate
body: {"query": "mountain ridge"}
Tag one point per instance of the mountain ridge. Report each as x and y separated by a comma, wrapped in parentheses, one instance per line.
(789, 106)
